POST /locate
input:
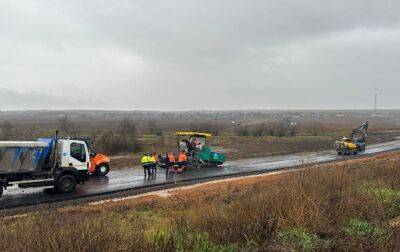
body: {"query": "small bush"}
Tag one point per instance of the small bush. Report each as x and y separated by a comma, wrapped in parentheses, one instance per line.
(384, 194)
(299, 239)
(185, 239)
(6, 130)
(121, 141)
(242, 131)
(360, 229)
(65, 125)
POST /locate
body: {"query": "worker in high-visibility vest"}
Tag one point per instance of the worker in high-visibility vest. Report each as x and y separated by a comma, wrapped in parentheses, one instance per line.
(182, 159)
(146, 163)
(155, 163)
(170, 161)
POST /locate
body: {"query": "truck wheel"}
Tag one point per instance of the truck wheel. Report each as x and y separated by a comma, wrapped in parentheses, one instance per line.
(66, 184)
(102, 169)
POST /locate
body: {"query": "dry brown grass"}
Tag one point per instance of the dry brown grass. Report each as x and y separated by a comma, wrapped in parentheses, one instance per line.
(342, 206)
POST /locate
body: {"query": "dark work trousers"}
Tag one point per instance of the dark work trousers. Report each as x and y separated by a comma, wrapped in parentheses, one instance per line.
(181, 164)
(146, 169)
(170, 166)
(154, 168)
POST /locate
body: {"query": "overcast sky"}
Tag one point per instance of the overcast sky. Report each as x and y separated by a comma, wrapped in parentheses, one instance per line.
(205, 54)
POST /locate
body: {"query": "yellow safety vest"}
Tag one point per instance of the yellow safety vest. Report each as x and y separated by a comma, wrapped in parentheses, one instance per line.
(145, 160)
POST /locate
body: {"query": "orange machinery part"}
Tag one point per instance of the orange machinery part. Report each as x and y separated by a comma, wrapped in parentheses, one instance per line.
(96, 160)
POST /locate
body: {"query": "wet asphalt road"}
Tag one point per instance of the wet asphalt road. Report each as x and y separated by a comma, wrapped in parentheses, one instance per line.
(121, 180)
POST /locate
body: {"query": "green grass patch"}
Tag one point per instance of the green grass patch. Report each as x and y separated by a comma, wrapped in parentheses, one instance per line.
(385, 194)
(362, 229)
(184, 239)
(300, 239)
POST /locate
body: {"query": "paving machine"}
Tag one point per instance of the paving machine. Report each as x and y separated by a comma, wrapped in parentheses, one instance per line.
(198, 152)
(355, 143)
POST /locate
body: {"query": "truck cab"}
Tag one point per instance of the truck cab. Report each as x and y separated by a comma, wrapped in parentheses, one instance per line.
(74, 153)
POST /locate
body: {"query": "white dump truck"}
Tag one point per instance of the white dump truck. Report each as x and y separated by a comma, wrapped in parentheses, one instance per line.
(61, 163)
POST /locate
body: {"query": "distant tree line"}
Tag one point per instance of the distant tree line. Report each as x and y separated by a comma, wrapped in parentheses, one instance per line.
(123, 140)
(207, 127)
(276, 128)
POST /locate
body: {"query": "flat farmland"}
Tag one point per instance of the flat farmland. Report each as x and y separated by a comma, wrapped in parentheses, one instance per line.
(125, 135)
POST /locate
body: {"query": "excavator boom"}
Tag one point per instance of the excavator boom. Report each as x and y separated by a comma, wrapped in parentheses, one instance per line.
(361, 132)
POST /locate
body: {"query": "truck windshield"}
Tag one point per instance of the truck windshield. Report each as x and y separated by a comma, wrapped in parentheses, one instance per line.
(78, 151)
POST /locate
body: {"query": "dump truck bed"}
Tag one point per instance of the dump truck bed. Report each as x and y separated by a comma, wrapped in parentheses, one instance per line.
(22, 156)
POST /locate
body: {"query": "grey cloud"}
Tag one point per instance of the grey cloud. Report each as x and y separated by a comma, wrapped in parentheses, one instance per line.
(183, 54)
(11, 99)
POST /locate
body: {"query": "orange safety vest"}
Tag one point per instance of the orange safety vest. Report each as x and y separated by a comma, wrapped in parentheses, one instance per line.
(155, 158)
(171, 158)
(182, 157)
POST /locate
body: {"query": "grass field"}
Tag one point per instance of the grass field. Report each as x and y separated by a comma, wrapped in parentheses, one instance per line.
(352, 205)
